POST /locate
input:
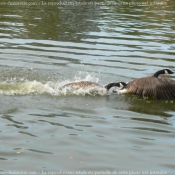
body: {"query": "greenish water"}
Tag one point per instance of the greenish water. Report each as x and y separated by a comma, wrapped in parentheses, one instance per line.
(44, 128)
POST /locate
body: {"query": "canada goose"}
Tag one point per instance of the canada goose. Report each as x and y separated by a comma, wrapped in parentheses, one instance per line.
(83, 84)
(89, 84)
(156, 86)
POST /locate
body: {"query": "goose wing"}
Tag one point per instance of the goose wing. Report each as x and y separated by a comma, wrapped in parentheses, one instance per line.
(166, 79)
(152, 87)
(165, 90)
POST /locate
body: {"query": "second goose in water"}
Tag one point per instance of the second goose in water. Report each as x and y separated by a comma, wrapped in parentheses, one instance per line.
(89, 84)
(82, 84)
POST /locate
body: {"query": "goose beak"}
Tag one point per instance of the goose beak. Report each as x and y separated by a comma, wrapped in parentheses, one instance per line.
(170, 72)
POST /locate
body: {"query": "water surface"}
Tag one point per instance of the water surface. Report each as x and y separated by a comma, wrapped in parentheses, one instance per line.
(44, 128)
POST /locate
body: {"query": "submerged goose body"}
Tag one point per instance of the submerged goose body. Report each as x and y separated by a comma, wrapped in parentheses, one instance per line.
(83, 84)
(89, 84)
(156, 86)
(84, 88)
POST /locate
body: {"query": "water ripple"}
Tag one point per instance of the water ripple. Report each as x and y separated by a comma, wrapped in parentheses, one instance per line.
(44, 47)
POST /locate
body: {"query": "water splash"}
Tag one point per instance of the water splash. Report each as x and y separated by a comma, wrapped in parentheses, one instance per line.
(53, 88)
(85, 76)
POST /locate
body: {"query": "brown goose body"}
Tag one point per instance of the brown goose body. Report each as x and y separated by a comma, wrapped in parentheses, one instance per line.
(109, 88)
(151, 87)
(166, 79)
(156, 86)
(83, 84)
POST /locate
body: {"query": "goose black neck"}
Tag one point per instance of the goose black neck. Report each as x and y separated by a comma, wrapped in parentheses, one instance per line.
(108, 86)
(158, 73)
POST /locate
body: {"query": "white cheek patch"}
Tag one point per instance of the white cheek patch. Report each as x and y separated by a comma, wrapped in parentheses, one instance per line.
(121, 85)
(166, 72)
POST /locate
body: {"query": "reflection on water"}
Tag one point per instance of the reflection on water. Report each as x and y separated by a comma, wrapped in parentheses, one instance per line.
(43, 47)
(151, 106)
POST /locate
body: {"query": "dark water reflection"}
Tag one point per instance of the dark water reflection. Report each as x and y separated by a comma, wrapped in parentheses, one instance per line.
(44, 46)
(68, 23)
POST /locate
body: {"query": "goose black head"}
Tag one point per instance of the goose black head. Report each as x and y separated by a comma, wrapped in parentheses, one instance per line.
(122, 84)
(118, 85)
(163, 71)
(168, 71)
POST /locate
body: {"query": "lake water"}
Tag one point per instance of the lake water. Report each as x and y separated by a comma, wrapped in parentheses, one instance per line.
(44, 45)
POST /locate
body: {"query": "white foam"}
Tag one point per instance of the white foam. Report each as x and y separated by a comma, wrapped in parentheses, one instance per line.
(51, 87)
